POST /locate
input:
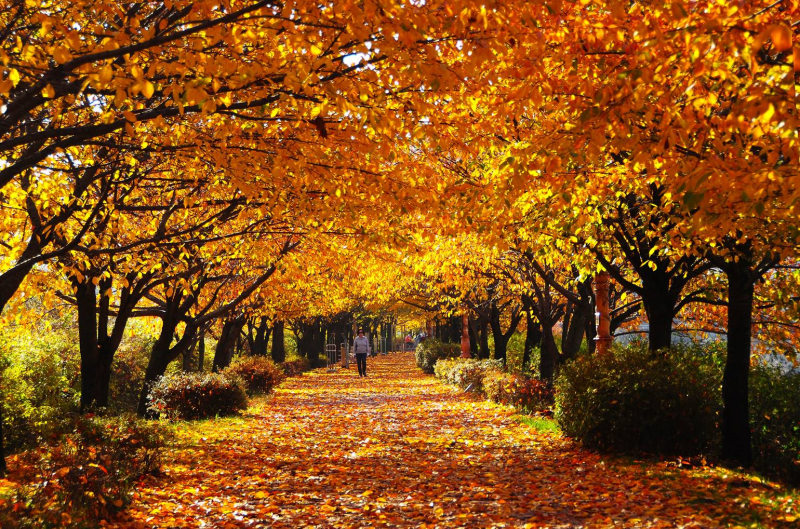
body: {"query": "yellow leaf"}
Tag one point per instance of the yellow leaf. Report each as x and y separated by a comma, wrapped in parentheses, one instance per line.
(315, 49)
(106, 73)
(148, 89)
(781, 37)
(49, 92)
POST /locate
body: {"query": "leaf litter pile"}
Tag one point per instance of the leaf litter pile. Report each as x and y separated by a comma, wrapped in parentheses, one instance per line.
(400, 448)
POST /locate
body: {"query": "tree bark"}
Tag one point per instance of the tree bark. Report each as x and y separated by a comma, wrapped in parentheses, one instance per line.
(86, 301)
(473, 338)
(550, 356)
(162, 354)
(736, 441)
(201, 353)
(660, 309)
(501, 338)
(533, 339)
(483, 328)
(226, 345)
(278, 346)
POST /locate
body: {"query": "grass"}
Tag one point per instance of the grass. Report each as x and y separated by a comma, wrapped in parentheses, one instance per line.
(540, 424)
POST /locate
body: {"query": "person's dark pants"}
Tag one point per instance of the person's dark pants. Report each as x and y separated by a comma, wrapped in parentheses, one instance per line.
(361, 361)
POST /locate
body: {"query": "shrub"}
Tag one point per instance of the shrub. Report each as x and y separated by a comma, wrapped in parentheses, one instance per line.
(259, 373)
(775, 422)
(431, 350)
(444, 369)
(197, 395)
(39, 385)
(634, 401)
(529, 395)
(293, 368)
(87, 476)
(127, 372)
(465, 373)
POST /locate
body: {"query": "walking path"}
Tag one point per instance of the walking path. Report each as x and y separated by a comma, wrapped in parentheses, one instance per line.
(400, 449)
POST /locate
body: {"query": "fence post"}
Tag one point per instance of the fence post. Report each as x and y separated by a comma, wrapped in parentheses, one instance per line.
(602, 303)
(465, 335)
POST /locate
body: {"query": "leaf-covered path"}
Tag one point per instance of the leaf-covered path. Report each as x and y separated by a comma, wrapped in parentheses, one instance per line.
(399, 448)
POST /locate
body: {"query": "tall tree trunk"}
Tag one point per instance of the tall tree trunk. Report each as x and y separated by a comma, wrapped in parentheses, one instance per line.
(187, 358)
(258, 346)
(473, 338)
(156, 367)
(226, 345)
(550, 357)
(533, 339)
(278, 347)
(162, 354)
(483, 327)
(659, 305)
(201, 353)
(86, 300)
(573, 337)
(736, 442)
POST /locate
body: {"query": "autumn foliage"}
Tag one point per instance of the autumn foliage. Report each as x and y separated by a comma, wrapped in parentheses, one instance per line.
(259, 374)
(189, 188)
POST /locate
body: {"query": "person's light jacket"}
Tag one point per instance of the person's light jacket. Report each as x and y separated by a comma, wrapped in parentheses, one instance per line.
(361, 345)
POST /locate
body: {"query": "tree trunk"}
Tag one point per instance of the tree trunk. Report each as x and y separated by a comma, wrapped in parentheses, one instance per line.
(660, 308)
(162, 354)
(86, 299)
(473, 338)
(483, 327)
(533, 339)
(736, 442)
(156, 367)
(226, 345)
(187, 359)
(573, 337)
(258, 347)
(550, 356)
(278, 346)
(201, 353)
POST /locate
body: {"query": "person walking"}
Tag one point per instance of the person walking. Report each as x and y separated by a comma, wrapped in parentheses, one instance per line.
(361, 349)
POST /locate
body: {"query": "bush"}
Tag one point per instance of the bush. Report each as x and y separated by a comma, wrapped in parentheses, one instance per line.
(259, 373)
(775, 422)
(465, 373)
(127, 372)
(431, 350)
(528, 395)
(197, 395)
(39, 385)
(87, 476)
(293, 368)
(633, 401)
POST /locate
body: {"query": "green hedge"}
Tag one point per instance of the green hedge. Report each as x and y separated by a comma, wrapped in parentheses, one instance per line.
(633, 401)
(431, 350)
(775, 422)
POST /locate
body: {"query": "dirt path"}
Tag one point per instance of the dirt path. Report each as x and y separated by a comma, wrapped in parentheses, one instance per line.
(400, 449)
